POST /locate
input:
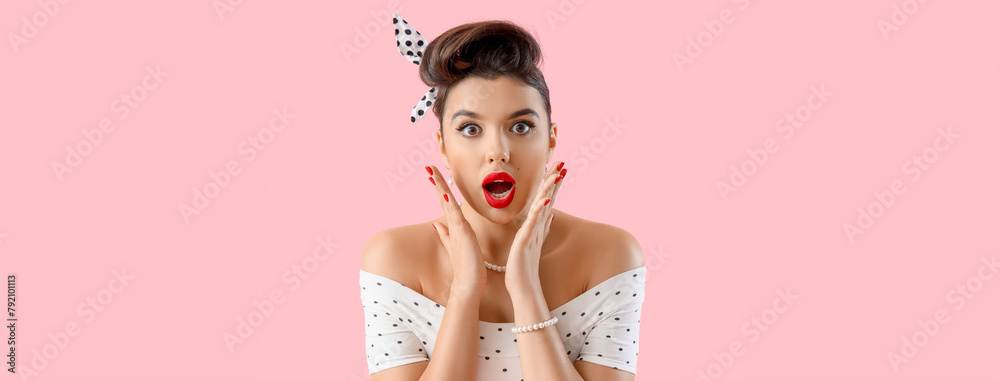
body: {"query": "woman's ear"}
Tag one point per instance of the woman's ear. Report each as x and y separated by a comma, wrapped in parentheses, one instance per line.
(440, 141)
(552, 141)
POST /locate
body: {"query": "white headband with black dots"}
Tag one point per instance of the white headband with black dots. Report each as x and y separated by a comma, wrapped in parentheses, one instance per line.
(412, 45)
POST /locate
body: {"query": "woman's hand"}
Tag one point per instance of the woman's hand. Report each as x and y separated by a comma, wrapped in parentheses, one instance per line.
(522, 263)
(460, 241)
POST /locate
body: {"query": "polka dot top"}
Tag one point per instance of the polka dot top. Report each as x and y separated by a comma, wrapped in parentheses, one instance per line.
(600, 326)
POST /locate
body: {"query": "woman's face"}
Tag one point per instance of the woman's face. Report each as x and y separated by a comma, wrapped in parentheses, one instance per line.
(492, 126)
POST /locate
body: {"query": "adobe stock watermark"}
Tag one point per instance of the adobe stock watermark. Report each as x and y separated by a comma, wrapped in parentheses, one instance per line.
(381, 21)
(899, 16)
(655, 257)
(293, 278)
(32, 24)
(702, 40)
(61, 338)
(959, 295)
(410, 163)
(915, 167)
(222, 7)
(248, 148)
(786, 126)
(564, 9)
(123, 107)
(582, 156)
(753, 329)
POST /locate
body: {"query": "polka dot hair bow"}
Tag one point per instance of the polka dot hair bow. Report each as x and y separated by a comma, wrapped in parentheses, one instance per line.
(412, 45)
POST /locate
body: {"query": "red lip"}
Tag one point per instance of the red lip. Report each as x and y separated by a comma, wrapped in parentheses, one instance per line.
(499, 203)
(494, 176)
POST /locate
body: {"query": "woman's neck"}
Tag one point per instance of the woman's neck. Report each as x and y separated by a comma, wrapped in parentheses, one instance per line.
(495, 240)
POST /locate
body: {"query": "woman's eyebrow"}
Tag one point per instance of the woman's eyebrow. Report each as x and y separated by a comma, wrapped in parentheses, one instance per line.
(515, 114)
(524, 111)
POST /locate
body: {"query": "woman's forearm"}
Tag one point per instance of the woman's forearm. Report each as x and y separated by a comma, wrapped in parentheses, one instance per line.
(543, 355)
(456, 347)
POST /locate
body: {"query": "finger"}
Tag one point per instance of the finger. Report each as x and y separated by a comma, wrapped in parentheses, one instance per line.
(538, 214)
(444, 235)
(550, 177)
(558, 184)
(553, 182)
(448, 203)
(548, 224)
(544, 199)
(555, 169)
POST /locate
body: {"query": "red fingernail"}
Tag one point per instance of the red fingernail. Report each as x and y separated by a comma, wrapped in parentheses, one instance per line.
(432, 180)
(547, 201)
(435, 227)
(558, 179)
(558, 167)
(429, 170)
(445, 197)
(562, 172)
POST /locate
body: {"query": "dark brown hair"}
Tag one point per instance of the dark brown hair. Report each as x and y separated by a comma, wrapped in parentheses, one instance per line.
(484, 49)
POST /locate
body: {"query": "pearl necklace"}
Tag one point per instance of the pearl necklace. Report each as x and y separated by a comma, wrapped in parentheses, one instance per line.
(495, 267)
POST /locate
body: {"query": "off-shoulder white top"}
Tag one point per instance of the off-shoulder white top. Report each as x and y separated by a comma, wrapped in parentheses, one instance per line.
(600, 326)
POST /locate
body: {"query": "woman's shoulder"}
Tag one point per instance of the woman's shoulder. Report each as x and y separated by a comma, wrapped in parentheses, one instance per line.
(609, 250)
(398, 253)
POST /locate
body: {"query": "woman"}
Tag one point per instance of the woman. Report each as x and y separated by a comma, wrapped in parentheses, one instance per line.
(497, 288)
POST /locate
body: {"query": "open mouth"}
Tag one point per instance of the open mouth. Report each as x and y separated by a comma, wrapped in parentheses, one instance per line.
(499, 188)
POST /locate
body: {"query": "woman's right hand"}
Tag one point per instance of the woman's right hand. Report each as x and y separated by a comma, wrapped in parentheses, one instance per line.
(459, 240)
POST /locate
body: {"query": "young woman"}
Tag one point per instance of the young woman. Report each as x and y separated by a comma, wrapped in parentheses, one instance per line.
(503, 286)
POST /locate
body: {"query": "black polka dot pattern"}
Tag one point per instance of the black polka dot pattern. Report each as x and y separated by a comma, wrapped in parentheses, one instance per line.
(412, 45)
(600, 326)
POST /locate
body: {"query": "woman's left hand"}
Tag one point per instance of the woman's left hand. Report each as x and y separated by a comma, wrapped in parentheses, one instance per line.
(525, 251)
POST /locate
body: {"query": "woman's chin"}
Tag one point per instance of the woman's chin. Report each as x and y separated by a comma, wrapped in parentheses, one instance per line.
(499, 216)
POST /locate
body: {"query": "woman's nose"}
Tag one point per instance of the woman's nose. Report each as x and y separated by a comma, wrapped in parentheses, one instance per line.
(498, 151)
(503, 156)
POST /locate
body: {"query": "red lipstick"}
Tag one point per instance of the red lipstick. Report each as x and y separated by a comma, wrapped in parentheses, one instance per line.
(498, 188)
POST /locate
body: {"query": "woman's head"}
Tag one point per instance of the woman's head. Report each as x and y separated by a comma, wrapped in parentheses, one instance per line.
(486, 49)
(494, 110)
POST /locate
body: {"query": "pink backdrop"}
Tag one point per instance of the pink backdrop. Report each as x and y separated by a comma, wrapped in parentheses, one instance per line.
(186, 187)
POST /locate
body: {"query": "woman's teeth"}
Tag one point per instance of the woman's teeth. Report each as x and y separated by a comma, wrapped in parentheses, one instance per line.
(501, 195)
(499, 184)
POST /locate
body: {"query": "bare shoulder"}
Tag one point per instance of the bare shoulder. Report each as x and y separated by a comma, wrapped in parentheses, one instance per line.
(397, 253)
(608, 249)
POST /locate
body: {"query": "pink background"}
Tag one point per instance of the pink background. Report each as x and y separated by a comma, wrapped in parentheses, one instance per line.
(715, 263)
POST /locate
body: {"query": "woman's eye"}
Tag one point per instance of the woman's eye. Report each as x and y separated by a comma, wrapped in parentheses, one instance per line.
(524, 128)
(527, 127)
(467, 126)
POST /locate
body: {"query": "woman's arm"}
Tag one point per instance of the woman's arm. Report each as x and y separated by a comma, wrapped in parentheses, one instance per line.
(456, 347)
(457, 342)
(455, 350)
(543, 356)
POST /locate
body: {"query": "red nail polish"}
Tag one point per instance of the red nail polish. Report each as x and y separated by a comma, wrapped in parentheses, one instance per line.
(558, 167)
(432, 180)
(562, 173)
(429, 170)
(547, 201)
(435, 227)
(445, 197)
(558, 179)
